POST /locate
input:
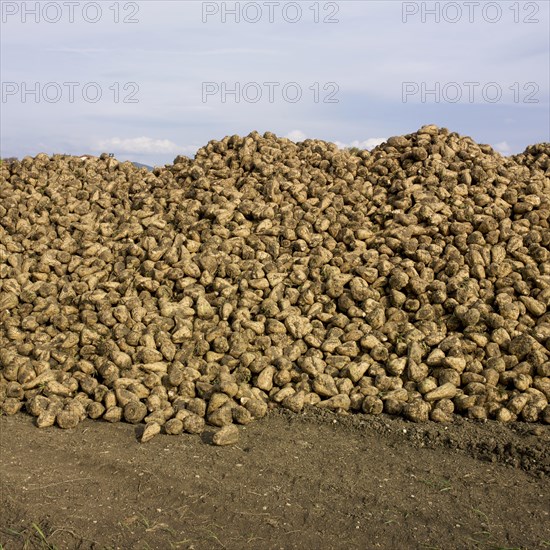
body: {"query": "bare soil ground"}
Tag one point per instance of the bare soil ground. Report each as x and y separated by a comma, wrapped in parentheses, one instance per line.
(313, 480)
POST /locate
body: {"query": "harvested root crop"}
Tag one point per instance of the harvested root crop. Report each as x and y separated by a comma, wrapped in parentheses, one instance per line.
(413, 280)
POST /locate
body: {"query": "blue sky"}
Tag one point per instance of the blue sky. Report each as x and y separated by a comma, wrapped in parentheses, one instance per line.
(366, 70)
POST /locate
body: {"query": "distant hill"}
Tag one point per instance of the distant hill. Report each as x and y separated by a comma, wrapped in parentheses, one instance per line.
(83, 157)
(139, 165)
(8, 160)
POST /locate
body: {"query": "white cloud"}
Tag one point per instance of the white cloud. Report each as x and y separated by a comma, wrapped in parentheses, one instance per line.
(233, 51)
(83, 51)
(143, 145)
(296, 135)
(219, 51)
(366, 144)
(502, 147)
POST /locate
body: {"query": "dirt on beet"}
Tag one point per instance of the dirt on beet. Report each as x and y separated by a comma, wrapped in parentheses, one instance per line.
(309, 480)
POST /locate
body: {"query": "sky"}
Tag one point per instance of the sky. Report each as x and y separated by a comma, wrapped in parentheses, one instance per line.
(148, 81)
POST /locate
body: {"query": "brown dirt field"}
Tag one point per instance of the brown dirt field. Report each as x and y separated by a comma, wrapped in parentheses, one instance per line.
(313, 480)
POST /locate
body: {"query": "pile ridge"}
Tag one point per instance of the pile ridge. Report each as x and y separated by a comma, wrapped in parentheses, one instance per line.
(412, 280)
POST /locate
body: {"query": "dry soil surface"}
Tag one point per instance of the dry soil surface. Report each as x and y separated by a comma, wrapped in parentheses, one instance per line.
(314, 480)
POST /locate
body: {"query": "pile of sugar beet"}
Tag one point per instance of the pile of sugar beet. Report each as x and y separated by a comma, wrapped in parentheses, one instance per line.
(411, 280)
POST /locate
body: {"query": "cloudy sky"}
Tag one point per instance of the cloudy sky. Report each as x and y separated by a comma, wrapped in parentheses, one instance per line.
(150, 80)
